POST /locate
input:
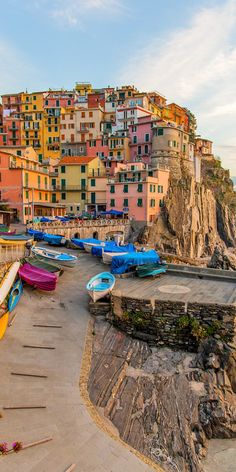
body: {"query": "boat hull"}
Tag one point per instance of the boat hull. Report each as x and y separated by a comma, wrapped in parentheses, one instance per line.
(15, 295)
(45, 256)
(3, 324)
(98, 295)
(107, 256)
(8, 281)
(100, 285)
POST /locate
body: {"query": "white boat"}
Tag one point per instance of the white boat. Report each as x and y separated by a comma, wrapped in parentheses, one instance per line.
(8, 280)
(107, 256)
(88, 246)
(100, 285)
(60, 259)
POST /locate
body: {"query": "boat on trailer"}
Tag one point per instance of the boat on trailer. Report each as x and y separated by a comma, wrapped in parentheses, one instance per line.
(100, 285)
(60, 259)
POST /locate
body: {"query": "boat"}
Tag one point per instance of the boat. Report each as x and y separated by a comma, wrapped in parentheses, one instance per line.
(3, 323)
(7, 233)
(40, 278)
(107, 256)
(100, 285)
(88, 246)
(126, 262)
(15, 295)
(80, 242)
(8, 280)
(148, 270)
(60, 259)
(54, 239)
(34, 261)
(15, 239)
(37, 235)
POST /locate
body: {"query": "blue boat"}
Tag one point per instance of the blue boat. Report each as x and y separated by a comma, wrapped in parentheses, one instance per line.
(60, 259)
(100, 285)
(38, 235)
(123, 263)
(15, 295)
(80, 242)
(54, 239)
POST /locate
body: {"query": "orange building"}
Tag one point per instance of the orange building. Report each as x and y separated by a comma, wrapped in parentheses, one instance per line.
(25, 185)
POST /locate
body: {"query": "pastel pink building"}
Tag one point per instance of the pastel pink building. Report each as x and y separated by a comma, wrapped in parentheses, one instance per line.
(137, 190)
(12, 128)
(97, 147)
(58, 99)
(141, 139)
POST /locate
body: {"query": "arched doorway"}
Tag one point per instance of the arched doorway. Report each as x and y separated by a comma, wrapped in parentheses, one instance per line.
(77, 235)
(95, 235)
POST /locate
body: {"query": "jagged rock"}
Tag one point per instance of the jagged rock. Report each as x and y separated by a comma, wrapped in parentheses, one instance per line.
(221, 259)
(166, 404)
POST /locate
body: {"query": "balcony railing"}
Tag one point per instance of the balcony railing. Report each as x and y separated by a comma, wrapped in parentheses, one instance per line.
(97, 173)
(68, 188)
(13, 128)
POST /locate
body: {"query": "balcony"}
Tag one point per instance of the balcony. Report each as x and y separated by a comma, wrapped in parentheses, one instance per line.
(13, 128)
(116, 158)
(97, 173)
(84, 130)
(69, 188)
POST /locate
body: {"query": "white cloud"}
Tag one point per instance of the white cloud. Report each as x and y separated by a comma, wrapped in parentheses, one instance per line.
(74, 12)
(196, 67)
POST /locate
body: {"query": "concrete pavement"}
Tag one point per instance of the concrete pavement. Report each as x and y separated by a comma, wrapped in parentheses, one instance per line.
(76, 438)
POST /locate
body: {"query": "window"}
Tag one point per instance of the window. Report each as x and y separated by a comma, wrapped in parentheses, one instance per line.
(69, 102)
(83, 114)
(93, 197)
(139, 150)
(27, 194)
(90, 114)
(46, 102)
(26, 107)
(135, 139)
(83, 196)
(147, 137)
(27, 142)
(150, 173)
(45, 182)
(184, 147)
(112, 189)
(57, 103)
(54, 197)
(40, 195)
(34, 97)
(134, 128)
(63, 169)
(83, 184)
(160, 131)
(56, 129)
(46, 196)
(150, 187)
(152, 202)
(126, 202)
(140, 187)
(49, 129)
(62, 137)
(18, 153)
(63, 196)
(34, 107)
(93, 183)
(160, 188)
(83, 170)
(40, 157)
(126, 188)
(140, 202)
(146, 149)
(63, 116)
(112, 202)
(39, 181)
(63, 184)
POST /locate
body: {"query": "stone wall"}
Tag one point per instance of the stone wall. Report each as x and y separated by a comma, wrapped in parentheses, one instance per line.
(99, 229)
(173, 324)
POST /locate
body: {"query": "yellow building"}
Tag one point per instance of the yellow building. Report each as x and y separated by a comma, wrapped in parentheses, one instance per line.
(83, 88)
(119, 149)
(80, 183)
(25, 185)
(32, 125)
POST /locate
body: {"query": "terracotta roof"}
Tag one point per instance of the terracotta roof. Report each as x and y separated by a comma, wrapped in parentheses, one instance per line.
(76, 160)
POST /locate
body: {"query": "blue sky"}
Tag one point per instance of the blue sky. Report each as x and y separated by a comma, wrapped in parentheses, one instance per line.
(186, 49)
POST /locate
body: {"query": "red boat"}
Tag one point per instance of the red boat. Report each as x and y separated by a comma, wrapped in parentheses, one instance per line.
(7, 233)
(37, 277)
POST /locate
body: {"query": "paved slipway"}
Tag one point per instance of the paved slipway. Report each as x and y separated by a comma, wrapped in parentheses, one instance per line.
(76, 438)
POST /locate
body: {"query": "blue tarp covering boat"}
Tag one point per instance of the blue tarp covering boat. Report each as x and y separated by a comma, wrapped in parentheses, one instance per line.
(38, 235)
(111, 246)
(121, 264)
(45, 220)
(112, 213)
(54, 239)
(80, 242)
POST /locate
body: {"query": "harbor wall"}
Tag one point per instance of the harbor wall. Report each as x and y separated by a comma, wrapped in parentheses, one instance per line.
(174, 324)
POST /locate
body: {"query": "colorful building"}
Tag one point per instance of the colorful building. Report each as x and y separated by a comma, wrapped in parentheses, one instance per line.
(128, 115)
(141, 139)
(77, 177)
(137, 190)
(25, 185)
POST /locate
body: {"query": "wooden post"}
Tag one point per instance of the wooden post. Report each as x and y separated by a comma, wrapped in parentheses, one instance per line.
(36, 443)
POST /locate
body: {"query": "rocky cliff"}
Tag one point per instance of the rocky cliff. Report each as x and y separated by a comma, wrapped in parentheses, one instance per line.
(166, 404)
(196, 216)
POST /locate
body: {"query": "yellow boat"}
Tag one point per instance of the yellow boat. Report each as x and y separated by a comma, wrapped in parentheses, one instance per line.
(3, 324)
(6, 283)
